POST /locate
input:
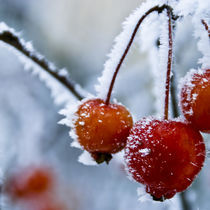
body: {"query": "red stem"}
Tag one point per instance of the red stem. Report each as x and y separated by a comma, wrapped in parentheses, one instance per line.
(156, 8)
(206, 26)
(170, 53)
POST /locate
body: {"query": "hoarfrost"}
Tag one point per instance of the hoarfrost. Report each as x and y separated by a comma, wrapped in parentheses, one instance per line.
(163, 59)
(186, 82)
(60, 94)
(204, 41)
(120, 45)
(70, 118)
(143, 196)
(144, 152)
(86, 159)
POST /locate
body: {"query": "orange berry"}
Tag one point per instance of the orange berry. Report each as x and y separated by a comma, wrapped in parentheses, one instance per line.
(29, 182)
(102, 129)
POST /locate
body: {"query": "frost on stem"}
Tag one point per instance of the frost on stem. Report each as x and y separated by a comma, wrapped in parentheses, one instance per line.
(122, 45)
(58, 81)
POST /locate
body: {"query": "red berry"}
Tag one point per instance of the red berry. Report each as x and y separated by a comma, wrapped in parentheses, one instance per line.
(195, 99)
(29, 182)
(164, 155)
(102, 129)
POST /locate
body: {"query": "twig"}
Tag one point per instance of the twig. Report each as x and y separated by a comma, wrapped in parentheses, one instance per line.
(13, 40)
(168, 74)
(206, 27)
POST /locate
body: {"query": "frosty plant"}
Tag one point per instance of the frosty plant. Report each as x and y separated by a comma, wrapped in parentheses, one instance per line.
(163, 154)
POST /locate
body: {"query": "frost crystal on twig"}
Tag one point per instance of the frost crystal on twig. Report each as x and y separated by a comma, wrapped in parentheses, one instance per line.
(57, 80)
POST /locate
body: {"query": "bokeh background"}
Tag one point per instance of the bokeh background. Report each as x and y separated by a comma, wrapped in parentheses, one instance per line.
(78, 34)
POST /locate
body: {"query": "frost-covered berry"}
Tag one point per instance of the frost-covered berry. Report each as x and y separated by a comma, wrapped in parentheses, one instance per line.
(102, 129)
(164, 155)
(195, 99)
(29, 182)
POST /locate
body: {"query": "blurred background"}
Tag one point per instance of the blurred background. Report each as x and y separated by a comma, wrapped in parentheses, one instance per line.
(77, 34)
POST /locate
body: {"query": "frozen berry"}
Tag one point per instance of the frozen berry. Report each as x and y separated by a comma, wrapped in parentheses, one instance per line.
(29, 182)
(102, 129)
(195, 99)
(164, 155)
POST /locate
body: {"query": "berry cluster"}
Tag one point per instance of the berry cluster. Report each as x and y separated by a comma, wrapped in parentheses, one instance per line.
(164, 155)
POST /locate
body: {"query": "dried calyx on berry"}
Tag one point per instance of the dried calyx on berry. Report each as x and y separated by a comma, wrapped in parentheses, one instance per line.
(195, 98)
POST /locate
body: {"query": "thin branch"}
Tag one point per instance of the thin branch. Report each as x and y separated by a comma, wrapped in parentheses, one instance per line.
(206, 27)
(157, 9)
(168, 74)
(13, 40)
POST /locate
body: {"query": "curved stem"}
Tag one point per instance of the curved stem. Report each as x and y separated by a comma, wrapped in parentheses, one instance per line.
(153, 9)
(13, 40)
(206, 27)
(170, 53)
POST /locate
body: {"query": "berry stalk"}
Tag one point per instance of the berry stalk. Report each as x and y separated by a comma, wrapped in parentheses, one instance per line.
(206, 27)
(168, 73)
(153, 9)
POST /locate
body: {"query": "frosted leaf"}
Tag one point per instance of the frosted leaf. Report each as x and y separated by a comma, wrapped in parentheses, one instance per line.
(86, 159)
